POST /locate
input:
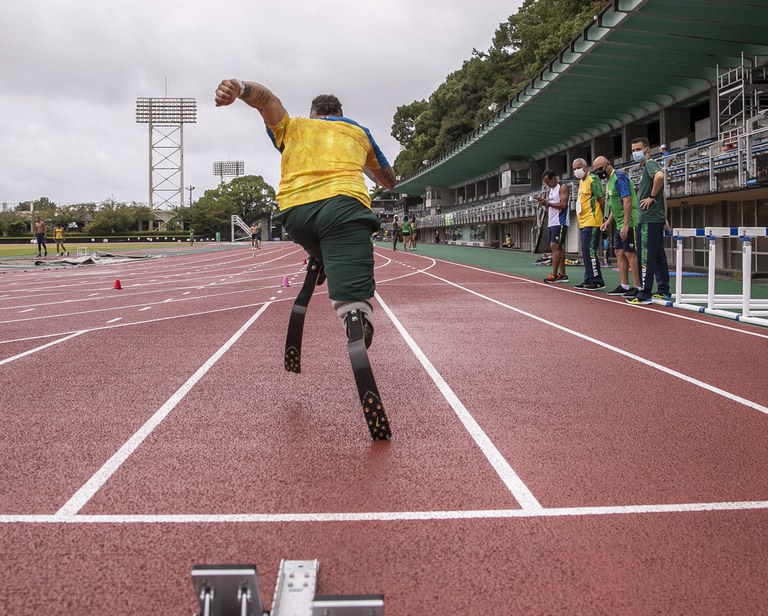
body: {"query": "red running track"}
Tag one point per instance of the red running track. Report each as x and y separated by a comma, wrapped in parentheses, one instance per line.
(554, 451)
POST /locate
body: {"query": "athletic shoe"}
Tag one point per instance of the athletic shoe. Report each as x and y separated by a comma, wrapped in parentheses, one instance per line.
(632, 292)
(561, 278)
(638, 300)
(618, 291)
(39, 255)
(590, 286)
(662, 296)
(550, 278)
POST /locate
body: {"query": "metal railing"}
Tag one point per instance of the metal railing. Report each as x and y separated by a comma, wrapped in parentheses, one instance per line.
(705, 167)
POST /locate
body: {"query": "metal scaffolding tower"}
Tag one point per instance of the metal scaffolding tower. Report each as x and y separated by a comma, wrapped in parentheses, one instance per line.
(742, 94)
(166, 118)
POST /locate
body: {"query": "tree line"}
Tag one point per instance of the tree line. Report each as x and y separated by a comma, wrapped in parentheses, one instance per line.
(521, 47)
(250, 197)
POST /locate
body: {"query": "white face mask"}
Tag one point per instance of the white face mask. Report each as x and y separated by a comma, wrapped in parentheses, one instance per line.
(579, 173)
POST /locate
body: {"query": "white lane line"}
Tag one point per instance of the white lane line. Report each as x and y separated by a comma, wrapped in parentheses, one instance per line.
(115, 320)
(145, 308)
(507, 474)
(602, 298)
(652, 364)
(86, 492)
(8, 360)
(27, 310)
(382, 516)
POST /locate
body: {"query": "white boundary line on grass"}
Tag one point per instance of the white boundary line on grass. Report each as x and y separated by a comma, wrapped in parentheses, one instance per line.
(507, 474)
(86, 492)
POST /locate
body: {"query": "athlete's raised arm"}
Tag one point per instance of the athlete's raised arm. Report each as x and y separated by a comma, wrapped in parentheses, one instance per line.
(254, 94)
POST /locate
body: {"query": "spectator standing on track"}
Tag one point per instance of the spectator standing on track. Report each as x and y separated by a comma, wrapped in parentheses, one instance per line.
(406, 230)
(58, 236)
(589, 211)
(622, 210)
(556, 203)
(323, 199)
(40, 232)
(396, 233)
(651, 222)
(191, 236)
(413, 232)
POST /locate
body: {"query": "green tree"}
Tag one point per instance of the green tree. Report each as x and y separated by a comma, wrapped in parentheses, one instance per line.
(81, 213)
(113, 217)
(521, 47)
(14, 224)
(248, 197)
(251, 196)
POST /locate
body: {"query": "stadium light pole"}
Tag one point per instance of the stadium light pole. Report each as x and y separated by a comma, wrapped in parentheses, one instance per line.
(190, 188)
(166, 118)
(223, 168)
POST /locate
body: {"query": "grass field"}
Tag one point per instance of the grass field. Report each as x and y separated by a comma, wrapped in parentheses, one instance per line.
(30, 250)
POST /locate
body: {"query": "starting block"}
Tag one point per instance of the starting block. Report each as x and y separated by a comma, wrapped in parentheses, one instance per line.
(233, 590)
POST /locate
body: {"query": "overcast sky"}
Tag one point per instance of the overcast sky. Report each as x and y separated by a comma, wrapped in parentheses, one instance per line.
(71, 71)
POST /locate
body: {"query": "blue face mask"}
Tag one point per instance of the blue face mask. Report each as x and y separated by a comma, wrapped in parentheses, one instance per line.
(638, 157)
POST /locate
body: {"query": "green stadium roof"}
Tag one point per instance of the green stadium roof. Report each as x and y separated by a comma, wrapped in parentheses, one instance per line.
(636, 58)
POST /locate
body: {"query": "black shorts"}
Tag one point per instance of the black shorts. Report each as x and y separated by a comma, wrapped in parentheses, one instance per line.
(627, 245)
(557, 234)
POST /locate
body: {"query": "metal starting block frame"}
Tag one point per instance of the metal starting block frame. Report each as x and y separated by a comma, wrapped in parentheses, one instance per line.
(233, 590)
(722, 305)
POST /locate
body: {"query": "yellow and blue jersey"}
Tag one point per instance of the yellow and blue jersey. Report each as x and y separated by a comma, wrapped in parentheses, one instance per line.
(588, 209)
(323, 158)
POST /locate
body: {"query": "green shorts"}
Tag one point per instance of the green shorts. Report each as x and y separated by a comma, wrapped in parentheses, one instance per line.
(337, 231)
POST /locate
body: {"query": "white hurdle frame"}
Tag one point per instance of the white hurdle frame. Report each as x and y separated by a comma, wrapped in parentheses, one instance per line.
(722, 305)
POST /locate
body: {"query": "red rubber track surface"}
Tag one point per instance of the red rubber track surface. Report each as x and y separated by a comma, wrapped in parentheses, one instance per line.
(553, 451)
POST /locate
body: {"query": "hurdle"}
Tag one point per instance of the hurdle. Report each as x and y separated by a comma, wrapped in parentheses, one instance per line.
(719, 304)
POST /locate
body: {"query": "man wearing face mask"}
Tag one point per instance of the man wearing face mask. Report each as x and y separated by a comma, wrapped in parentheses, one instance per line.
(651, 221)
(589, 210)
(622, 209)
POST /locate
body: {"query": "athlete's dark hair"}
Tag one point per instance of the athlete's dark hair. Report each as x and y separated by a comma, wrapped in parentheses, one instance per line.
(643, 140)
(327, 105)
(549, 174)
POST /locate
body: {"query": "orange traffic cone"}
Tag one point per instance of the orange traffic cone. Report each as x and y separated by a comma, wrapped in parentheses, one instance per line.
(118, 286)
(285, 282)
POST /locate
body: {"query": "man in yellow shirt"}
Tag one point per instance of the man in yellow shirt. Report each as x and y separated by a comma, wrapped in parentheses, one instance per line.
(589, 210)
(324, 202)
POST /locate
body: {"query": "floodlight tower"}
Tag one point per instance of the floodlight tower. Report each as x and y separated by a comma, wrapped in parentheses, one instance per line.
(166, 118)
(234, 168)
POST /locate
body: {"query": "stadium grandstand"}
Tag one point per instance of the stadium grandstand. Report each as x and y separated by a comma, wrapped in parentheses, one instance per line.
(690, 74)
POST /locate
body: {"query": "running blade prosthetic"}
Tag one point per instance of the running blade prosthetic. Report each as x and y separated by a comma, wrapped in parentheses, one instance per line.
(373, 409)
